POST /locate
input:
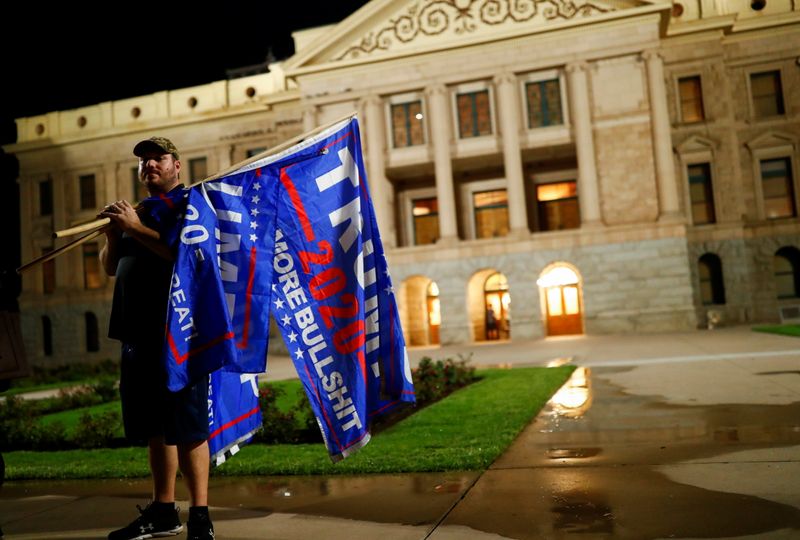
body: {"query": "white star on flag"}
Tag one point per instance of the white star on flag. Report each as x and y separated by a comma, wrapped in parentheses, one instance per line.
(253, 238)
(286, 320)
(255, 199)
(292, 337)
(274, 287)
(256, 186)
(253, 225)
(254, 212)
(279, 303)
(298, 353)
(389, 290)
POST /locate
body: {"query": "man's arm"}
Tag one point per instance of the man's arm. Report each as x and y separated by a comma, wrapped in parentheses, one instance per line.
(109, 255)
(124, 216)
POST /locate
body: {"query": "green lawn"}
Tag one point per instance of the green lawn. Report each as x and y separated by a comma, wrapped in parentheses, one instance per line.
(70, 418)
(783, 329)
(466, 431)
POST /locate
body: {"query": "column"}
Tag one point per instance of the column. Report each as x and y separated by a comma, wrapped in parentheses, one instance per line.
(662, 139)
(108, 193)
(380, 188)
(509, 113)
(438, 99)
(588, 189)
(309, 118)
(224, 159)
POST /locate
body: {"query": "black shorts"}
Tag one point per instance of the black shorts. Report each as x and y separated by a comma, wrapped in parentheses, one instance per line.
(150, 410)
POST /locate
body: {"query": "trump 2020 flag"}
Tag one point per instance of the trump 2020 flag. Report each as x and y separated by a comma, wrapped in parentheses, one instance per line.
(295, 233)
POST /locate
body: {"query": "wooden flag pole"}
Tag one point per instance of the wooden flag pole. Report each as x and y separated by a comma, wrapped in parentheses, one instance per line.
(96, 227)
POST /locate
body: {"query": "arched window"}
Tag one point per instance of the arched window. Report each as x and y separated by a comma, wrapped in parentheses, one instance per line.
(787, 272)
(712, 286)
(92, 334)
(47, 336)
(434, 312)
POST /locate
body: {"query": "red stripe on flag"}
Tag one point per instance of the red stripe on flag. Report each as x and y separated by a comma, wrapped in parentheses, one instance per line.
(181, 358)
(322, 408)
(233, 422)
(248, 299)
(166, 200)
(297, 202)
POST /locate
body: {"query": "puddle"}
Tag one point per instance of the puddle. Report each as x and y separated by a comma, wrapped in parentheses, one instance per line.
(591, 467)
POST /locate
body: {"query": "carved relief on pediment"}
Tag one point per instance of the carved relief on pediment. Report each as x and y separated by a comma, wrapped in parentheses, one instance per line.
(425, 19)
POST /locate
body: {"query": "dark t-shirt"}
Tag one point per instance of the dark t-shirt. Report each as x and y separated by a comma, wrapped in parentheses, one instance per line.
(141, 291)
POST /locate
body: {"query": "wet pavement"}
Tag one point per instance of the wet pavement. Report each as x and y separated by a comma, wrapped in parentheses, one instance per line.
(695, 436)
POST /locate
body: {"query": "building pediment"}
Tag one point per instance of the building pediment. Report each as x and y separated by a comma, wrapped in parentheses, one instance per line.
(771, 139)
(695, 144)
(383, 29)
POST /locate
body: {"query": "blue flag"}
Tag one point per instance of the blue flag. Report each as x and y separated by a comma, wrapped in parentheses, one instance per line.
(295, 233)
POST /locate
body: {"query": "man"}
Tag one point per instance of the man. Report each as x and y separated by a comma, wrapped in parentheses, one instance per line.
(174, 425)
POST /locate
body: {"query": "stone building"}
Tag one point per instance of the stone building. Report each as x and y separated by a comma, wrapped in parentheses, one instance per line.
(539, 167)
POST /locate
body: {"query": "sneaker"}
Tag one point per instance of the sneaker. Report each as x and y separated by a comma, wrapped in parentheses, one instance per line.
(200, 528)
(150, 524)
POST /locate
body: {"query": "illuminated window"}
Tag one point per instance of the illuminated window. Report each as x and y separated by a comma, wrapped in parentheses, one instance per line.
(544, 103)
(498, 302)
(787, 272)
(45, 197)
(712, 287)
(474, 114)
(87, 192)
(198, 169)
(557, 206)
(91, 266)
(778, 188)
(407, 127)
(491, 213)
(691, 94)
(426, 220)
(767, 93)
(701, 194)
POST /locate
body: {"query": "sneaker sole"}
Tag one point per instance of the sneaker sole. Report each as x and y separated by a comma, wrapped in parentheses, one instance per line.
(176, 531)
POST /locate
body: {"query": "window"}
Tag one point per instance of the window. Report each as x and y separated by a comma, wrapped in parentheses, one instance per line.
(92, 333)
(491, 213)
(557, 206)
(139, 190)
(544, 103)
(47, 336)
(45, 197)
(255, 151)
(712, 287)
(701, 194)
(87, 194)
(197, 169)
(778, 188)
(426, 220)
(91, 266)
(48, 273)
(407, 128)
(474, 114)
(691, 95)
(767, 93)
(787, 272)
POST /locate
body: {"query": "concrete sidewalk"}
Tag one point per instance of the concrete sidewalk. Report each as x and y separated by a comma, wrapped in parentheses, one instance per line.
(691, 435)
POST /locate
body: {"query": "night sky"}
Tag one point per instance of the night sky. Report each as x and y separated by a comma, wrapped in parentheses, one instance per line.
(69, 55)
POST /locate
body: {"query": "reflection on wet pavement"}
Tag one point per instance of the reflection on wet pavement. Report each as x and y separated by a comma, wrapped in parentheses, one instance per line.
(588, 467)
(418, 499)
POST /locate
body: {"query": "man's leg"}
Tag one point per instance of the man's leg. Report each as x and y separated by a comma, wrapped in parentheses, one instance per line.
(194, 462)
(164, 467)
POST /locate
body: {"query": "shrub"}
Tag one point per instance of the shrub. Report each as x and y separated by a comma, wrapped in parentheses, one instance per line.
(277, 426)
(435, 380)
(20, 429)
(96, 430)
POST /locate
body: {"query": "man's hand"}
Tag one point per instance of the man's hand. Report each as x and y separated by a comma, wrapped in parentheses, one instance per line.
(123, 215)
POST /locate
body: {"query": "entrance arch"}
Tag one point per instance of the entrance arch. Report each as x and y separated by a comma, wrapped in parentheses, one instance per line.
(420, 310)
(489, 305)
(562, 306)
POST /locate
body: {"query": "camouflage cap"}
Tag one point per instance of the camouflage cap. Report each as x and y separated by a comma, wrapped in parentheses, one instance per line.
(157, 144)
